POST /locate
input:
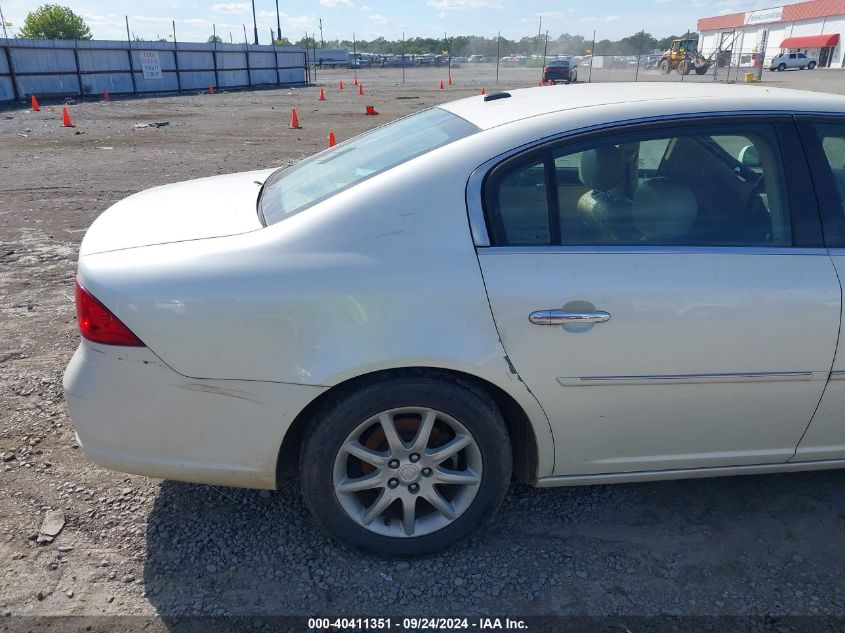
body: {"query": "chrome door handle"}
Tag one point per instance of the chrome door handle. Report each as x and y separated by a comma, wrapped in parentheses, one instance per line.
(561, 317)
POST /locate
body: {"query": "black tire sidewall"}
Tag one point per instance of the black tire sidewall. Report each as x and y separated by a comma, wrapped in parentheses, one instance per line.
(332, 426)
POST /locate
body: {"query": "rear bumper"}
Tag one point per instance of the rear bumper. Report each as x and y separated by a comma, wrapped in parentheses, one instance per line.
(132, 413)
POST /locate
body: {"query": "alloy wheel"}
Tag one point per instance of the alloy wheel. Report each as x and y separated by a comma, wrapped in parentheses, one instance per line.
(407, 472)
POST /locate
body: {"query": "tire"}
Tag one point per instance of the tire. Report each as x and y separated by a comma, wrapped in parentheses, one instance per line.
(781, 67)
(665, 67)
(701, 70)
(330, 462)
(811, 65)
(684, 67)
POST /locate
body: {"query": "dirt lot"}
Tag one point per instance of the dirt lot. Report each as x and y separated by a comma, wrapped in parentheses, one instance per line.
(136, 546)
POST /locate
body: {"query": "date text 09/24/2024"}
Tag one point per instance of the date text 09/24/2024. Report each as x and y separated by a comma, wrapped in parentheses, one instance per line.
(412, 624)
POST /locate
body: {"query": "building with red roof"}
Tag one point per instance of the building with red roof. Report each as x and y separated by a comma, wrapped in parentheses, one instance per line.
(815, 28)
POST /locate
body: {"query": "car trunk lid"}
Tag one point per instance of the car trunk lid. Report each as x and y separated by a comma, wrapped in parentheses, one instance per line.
(196, 209)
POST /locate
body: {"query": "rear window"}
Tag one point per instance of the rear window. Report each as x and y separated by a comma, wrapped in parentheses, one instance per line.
(291, 190)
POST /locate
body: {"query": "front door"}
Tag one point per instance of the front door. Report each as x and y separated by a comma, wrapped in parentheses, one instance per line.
(651, 289)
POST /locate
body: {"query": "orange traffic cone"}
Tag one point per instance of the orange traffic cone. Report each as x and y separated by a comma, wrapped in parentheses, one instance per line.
(355, 82)
(483, 90)
(210, 89)
(35, 106)
(294, 120)
(66, 118)
(340, 85)
(332, 142)
(322, 95)
(450, 80)
(441, 84)
(360, 89)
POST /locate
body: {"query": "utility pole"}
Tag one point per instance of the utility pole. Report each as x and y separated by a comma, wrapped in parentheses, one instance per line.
(540, 30)
(639, 54)
(448, 55)
(278, 23)
(254, 23)
(403, 57)
(498, 51)
(322, 41)
(592, 55)
(545, 50)
(246, 41)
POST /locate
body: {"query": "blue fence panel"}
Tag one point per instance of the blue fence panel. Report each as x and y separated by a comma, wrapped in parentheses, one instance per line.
(66, 67)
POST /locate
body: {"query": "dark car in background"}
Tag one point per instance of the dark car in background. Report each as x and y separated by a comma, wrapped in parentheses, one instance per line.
(560, 70)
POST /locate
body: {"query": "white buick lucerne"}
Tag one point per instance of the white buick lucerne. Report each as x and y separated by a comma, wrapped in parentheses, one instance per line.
(580, 285)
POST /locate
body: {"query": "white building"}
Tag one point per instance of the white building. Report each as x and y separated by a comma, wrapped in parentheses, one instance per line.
(814, 27)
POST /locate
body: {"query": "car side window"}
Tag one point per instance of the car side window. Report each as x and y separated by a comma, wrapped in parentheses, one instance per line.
(522, 205)
(701, 186)
(832, 137)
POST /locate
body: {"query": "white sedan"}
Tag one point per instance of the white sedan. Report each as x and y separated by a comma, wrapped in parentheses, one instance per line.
(607, 283)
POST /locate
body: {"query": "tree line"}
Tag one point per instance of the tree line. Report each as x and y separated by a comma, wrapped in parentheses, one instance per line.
(464, 45)
(57, 22)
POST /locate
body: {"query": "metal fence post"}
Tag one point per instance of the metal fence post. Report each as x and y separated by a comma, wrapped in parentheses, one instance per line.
(214, 58)
(15, 92)
(248, 70)
(78, 69)
(176, 59)
(592, 56)
(131, 63)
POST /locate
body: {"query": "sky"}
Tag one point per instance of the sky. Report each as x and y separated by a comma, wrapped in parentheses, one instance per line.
(368, 19)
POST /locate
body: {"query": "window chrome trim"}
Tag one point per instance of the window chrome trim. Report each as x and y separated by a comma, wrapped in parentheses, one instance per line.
(475, 184)
(837, 375)
(691, 379)
(651, 250)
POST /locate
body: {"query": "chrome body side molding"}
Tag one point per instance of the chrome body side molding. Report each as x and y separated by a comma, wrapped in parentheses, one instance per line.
(686, 473)
(693, 379)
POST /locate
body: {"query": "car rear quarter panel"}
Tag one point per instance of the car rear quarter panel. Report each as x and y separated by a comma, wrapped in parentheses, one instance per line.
(383, 276)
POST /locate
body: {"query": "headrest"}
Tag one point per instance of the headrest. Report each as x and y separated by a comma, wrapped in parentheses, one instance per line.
(601, 169)
(750, 156)
(664, 209)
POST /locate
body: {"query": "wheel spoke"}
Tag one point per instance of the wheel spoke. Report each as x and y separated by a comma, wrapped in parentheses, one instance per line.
(368, 482)
(442, 453)
(379, 506)
(393, 440)
(356, 449)
(459, 477)
(409, 515)
(423, 435)
(440, 504)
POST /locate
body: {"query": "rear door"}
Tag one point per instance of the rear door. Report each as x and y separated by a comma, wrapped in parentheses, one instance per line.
(664, 292)
(824, 139)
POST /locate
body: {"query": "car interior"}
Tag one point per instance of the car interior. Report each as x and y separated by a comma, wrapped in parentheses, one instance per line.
(688, 190)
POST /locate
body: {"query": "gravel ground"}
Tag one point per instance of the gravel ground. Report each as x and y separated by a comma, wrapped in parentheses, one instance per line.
(127, 545)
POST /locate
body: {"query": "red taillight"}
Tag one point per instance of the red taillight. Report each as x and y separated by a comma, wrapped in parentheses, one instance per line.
(99, 325)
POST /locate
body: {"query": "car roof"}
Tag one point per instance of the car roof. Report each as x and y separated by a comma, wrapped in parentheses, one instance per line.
(648, 97)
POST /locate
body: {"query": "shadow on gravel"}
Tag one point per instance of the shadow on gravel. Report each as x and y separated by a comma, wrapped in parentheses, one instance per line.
(743, 545)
